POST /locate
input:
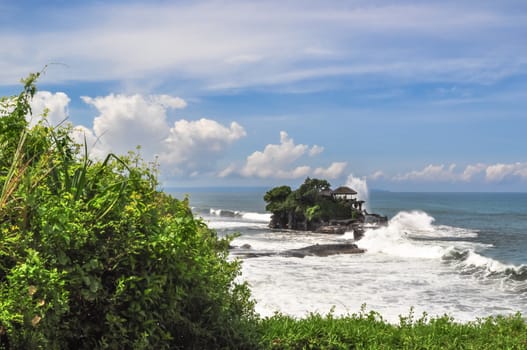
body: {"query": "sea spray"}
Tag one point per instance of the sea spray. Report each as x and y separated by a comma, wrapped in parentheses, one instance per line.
(395, 238)
(474, 233)
(361, 186)
(413, 235)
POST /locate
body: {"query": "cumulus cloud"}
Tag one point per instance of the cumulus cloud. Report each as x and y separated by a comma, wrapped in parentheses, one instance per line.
(187, 147)
(472, 170)
(277, 161)
(126, 121)
(316, 150)
(489, 173)
(56, 105)
(498, 172)
(332, 172)
(197, 144)
(377, 175)
(430, 173)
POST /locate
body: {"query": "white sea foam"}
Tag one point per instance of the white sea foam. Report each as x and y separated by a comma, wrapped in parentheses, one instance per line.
(413, 262)
(221, 219)
(361, 186)
(389, 240)
(401, 238)
(410, 263)
(257, 217)
(221, 225)
(248, 216)
(389, 286)
(485, 267)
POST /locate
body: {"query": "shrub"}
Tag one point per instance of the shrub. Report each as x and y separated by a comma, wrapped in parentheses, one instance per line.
(92, 255)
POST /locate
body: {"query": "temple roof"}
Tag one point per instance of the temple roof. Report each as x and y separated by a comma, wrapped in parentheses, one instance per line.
(344, 190)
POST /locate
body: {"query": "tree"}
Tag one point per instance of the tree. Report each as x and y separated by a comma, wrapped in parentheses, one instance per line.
(305, 207)
(276, 198)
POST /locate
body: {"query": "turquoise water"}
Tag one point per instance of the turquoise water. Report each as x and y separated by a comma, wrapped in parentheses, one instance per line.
(464, 254)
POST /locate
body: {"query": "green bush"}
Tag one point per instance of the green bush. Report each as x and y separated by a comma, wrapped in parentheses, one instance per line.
(92, 255)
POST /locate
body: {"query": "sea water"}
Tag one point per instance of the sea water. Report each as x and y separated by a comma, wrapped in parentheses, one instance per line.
(461, 254)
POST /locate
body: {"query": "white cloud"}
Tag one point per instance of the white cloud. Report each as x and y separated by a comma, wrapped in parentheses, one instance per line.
(489, 173)
(430, 173)
(316, 150)
(472, 170)
(229, 170)
(197, 144)
(55, 103)
(239, 43)
(275, 160)
(377, 175)
(334, 171)
(278, 161)
(125, 121)
(498, 172)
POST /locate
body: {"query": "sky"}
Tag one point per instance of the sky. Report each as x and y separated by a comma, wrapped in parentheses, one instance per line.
(404, 95)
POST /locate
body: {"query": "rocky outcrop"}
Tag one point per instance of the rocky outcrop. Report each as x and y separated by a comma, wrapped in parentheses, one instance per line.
(321, 250)
(332, 229)
(324, 250)
(315, 207)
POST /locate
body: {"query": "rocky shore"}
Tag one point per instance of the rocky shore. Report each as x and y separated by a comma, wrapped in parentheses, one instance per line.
(322, 250)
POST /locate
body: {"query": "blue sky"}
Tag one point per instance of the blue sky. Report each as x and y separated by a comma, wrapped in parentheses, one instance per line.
(407, 95)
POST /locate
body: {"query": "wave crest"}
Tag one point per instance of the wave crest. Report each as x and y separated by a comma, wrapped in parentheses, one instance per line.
(414, 235)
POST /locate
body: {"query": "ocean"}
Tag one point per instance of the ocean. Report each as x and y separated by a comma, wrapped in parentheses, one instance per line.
(460, 254)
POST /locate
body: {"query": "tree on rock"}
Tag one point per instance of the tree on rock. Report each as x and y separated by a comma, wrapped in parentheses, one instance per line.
(308, 207)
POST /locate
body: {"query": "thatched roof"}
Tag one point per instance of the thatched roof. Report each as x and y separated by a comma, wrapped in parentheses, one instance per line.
(344, 190)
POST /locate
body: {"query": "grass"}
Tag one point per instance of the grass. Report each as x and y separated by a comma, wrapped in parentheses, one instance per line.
(371, 331)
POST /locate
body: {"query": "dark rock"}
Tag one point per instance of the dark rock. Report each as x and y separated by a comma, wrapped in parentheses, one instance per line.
(332, 229)
(324, 250)
(321, 250)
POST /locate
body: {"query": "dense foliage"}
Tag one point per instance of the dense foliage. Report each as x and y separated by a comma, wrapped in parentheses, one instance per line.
(370, 331)
(306, 207)
(93, 256)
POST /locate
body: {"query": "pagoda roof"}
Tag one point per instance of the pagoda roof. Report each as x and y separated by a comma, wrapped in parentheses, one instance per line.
(344, 190)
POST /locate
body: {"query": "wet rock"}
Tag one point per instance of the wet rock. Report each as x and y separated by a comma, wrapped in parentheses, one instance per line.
(321, 250)
(324, 250)
(332, 229)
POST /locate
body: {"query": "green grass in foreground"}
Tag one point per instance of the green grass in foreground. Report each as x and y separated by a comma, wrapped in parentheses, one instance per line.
(370, 331)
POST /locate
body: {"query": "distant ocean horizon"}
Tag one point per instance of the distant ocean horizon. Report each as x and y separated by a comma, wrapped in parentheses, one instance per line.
(458, 253)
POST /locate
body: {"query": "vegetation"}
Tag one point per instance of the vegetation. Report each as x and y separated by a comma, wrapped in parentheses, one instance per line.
(370, 331)
(306, 208)
(93, 256)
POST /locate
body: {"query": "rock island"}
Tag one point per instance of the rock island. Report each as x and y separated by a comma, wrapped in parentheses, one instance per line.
(314, 206)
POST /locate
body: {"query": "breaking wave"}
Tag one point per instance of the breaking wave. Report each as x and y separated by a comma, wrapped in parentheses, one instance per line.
(253, 217)
(235, 214)
(414, 235)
